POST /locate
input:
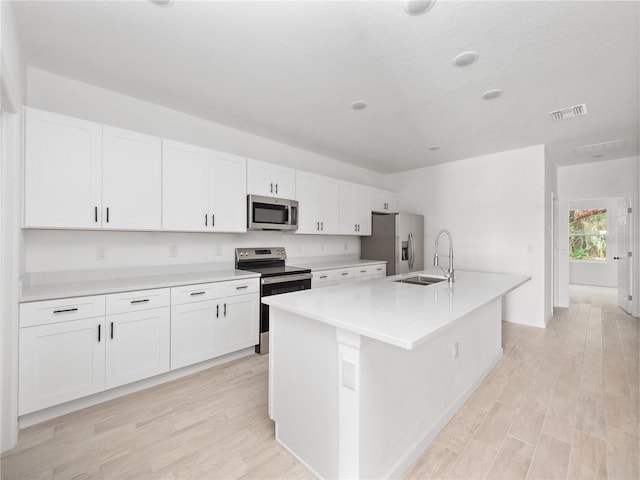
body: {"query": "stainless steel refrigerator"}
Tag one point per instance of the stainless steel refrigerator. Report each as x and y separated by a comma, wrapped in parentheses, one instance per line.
(398, 239)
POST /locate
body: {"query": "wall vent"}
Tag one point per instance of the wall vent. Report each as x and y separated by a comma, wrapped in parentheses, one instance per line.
(569, 112)
(598, 150)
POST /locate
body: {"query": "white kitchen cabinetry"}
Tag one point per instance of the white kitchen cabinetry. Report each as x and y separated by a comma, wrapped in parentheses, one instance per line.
(138, 335)
(355, 209)
(383, 201)
(203, 190)
(62, 171)
(131, 180)
(347, 275)
(212, 319)
(62, 351)
(270, 180)
(79, 174)
(319, 204)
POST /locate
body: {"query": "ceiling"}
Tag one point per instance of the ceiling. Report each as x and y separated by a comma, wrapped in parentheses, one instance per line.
(290, 71)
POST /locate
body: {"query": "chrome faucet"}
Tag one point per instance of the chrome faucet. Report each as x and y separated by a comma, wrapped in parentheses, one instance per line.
(449, 274)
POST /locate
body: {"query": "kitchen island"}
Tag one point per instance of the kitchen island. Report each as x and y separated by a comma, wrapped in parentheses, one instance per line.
(362, 378)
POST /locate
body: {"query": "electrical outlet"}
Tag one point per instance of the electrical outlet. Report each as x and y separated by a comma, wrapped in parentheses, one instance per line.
(348, 374)
(173, 250)
(218, 250)
(101, 253)
(456, 350)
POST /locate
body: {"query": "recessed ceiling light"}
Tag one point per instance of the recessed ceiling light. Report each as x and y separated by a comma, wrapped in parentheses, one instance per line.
(491, 94)
(162, 3)
(359, 105)
(418, 7)
(434, 148)
(465, 58)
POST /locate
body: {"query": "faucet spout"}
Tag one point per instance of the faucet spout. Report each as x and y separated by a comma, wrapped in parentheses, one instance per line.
(450, 272)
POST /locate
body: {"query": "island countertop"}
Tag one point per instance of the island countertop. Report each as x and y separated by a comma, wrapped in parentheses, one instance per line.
(400, 314)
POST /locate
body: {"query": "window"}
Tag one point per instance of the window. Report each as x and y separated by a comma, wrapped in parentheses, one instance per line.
(588, 234)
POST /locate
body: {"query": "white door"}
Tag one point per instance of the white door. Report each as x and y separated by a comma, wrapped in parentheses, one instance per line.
(237, 326)
(362, 209)
(348, 216)
(270, 180)
(185, 187)
(62, 172)
(192, 332)
(137, 345)
(285, 182)
(308, 205)
(227, 193)
(328, 204)
(60, 362)
(131, 180)
(624, 255)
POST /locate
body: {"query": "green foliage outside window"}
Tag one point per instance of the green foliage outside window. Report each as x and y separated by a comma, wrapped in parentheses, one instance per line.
(588, 234)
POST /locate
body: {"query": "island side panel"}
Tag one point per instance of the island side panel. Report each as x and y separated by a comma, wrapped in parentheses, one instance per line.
(303, 389)
(408, 396)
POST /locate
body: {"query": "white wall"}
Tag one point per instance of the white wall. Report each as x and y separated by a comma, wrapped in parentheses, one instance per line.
(12, 73)
(611, 178)
(494, 206)
(603, 274)
(50, 250)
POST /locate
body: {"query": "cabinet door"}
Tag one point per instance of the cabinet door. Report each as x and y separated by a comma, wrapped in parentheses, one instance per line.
(384, 201)
(362, 209)
(137, 345)
(192, 332)
(308, 207)
(62, 173)
(131, 180)
(328, 200)
(237, 327)
(227, 193)
(270, 180)
(185, 187)
(60, 362)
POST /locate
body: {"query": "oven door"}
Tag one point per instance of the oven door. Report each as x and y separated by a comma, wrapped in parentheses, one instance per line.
(276, 286)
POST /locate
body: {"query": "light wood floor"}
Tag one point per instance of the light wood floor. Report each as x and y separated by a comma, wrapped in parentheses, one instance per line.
(562, 403)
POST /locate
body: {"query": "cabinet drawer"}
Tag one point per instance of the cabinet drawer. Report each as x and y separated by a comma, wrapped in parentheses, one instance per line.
(322, 277)
(368, 270)
(239, 287)
(194, 293)
(63, 310)
(342, 274)
(136, 301)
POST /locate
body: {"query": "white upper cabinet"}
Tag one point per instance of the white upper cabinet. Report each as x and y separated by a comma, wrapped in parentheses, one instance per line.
(355, 209)
(270, 180)
(63, 179)
(202, 190)
(319, 203)
(384, 201)
(131, 180)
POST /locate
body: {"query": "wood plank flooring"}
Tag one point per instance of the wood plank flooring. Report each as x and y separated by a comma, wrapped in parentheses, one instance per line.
(562, 403)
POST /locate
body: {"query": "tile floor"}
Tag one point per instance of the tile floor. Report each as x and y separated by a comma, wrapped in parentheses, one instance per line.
(562, 403)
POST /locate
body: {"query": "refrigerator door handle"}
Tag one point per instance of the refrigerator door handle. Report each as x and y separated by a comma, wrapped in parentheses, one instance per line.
(410, 252)
(413, 251)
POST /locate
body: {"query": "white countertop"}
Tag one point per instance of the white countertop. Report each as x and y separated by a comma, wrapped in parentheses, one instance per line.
(49, 285)
(316, 266)
(400, 314)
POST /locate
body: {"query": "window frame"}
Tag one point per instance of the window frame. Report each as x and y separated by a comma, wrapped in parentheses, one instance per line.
(605, 235)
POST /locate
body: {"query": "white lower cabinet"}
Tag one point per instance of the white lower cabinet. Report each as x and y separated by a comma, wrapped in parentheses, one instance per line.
(60, 362)
(137, 345)
(347, 275)
(214, 319)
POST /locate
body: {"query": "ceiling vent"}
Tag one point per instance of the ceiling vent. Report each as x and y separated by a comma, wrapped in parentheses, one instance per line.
(597, 150)
(569, 112)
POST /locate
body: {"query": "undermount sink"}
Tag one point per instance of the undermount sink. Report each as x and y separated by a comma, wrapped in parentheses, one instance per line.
(422, 280)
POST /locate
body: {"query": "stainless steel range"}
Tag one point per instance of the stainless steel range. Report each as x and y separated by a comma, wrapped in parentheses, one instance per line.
(275, 278)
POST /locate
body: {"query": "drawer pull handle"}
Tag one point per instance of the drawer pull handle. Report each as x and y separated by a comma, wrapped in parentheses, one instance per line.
(111, 330)
(379, 269)
(107, 214)
(140, 301)
(99, 330)
(363, 271)
(324, 276)
(66, 310)
(225, 309)
(217, 311)
(95, 214)
(242, 287)
(193, 294)
(344, 273)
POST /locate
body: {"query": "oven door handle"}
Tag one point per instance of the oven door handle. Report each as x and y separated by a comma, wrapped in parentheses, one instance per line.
(286, 278)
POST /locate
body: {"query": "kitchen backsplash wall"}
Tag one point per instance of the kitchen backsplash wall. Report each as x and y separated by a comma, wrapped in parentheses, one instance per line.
(56, 250)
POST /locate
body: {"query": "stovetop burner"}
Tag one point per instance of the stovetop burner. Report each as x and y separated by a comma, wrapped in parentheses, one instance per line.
(268, 262)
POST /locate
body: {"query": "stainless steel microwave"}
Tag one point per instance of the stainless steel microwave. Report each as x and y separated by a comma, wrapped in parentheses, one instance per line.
(267, 213)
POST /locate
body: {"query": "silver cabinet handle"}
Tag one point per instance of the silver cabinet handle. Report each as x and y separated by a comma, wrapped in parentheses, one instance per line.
(225, 310)
(193, 294)
(205, 219)
(242, 287)
(213, 220)
(140, 301)
(355, 227)
(95, 214)
(363, 271)
(379, 269)
(344, 273)
(272, 188)
(324, 276)
(107, 214)
(322, 226)
(318, 226)
(276, 188)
